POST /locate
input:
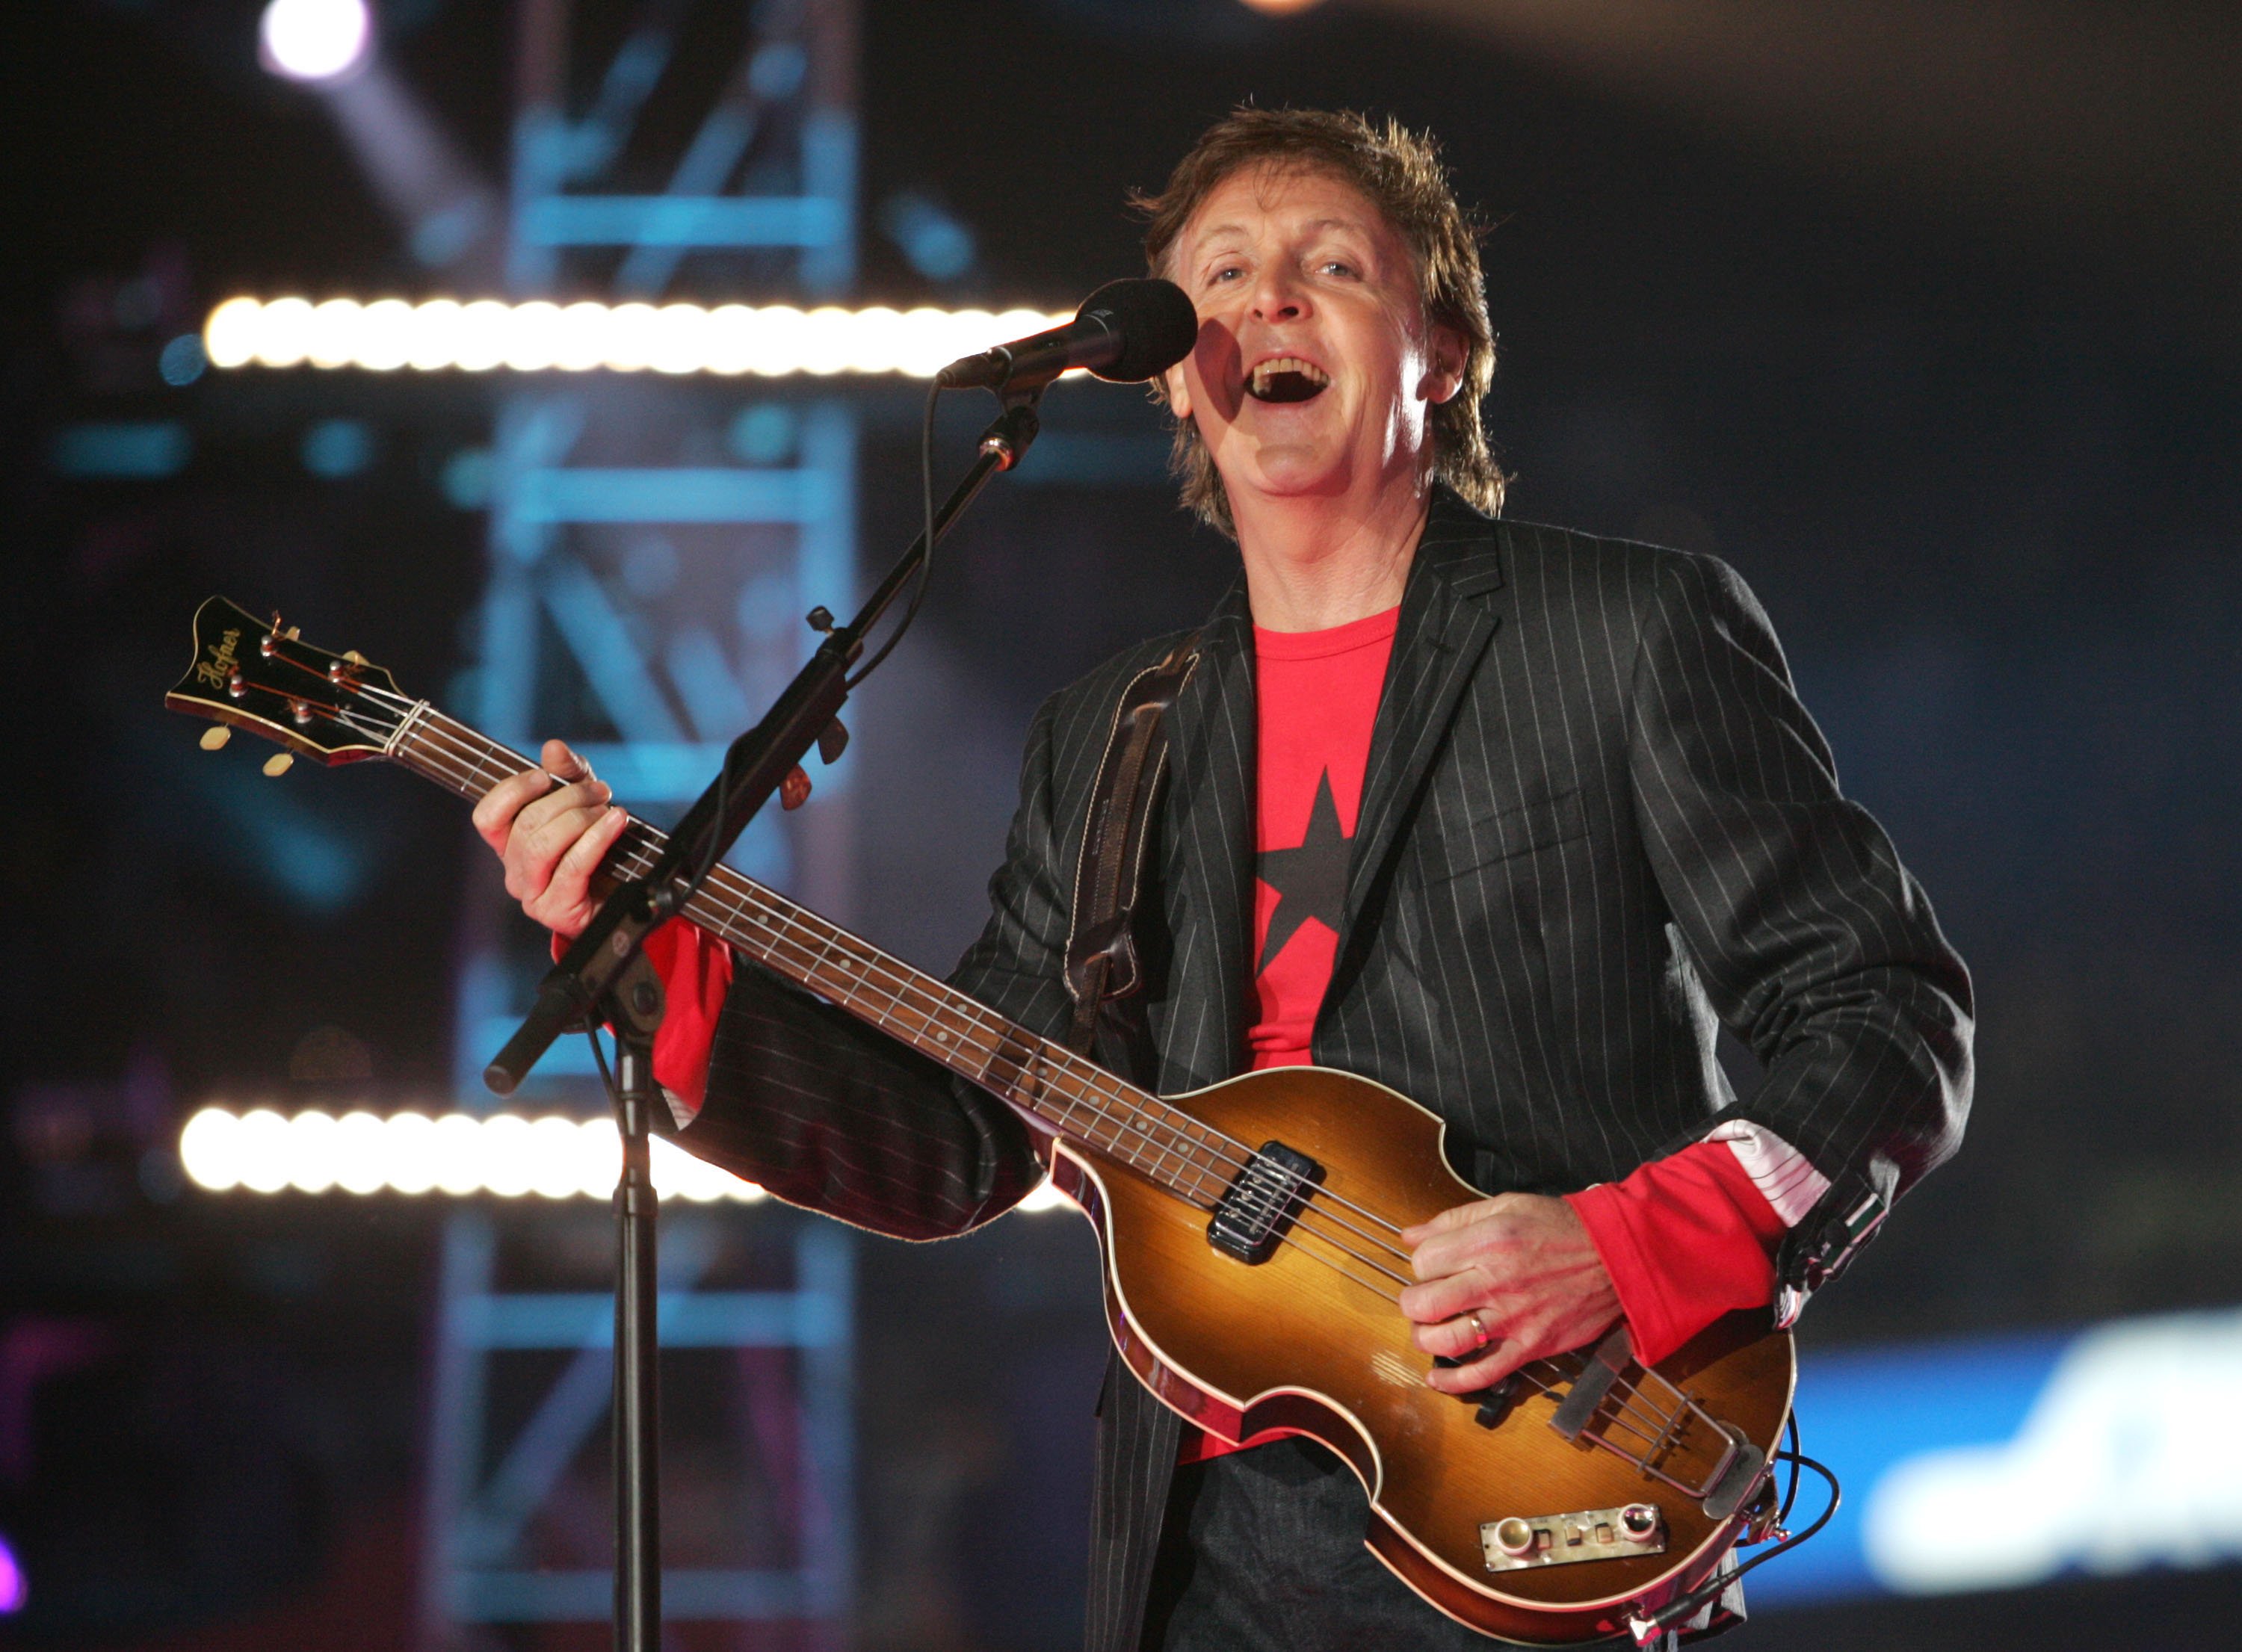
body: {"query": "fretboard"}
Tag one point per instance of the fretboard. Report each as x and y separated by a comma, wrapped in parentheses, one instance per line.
(1081, 1102)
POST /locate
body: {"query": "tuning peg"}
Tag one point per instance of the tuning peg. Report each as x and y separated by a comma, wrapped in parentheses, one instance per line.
(279, 763)
(216, 736)
(793, 791)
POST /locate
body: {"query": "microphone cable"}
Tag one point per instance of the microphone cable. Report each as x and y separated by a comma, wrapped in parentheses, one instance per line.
(910, 612)
(683, 894)
(926, 562)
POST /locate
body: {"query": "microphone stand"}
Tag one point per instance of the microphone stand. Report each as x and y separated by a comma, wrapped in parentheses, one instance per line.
(603, 976)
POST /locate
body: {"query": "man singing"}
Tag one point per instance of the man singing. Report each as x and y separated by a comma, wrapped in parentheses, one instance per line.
(1508, 818)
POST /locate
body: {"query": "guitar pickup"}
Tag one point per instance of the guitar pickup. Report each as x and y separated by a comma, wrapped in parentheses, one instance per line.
(1261, 1201)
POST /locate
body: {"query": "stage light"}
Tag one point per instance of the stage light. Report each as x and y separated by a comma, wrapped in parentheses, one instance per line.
(462, 1153)
(314, 40)
(361, 1166)
(769, 341)
(363, 1152)
(13, 1590)
(311, 1151)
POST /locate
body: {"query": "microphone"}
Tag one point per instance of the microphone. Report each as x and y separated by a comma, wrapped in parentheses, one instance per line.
(1124, 332)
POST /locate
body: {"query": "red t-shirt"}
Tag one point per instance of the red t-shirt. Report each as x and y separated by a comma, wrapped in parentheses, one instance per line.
(1315, 700)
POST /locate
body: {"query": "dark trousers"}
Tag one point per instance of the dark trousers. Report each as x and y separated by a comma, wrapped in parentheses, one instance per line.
(1262, 1552)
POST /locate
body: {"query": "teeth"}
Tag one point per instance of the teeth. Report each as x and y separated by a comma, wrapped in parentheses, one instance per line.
(1268, 370)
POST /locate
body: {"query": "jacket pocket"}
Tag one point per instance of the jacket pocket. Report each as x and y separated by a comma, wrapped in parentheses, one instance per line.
(1518, 830)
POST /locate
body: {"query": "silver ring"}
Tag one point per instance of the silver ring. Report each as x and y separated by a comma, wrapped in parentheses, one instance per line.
(1478, 1325)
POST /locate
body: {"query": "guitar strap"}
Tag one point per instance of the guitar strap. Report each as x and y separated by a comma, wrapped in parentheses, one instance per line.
(1101, 951)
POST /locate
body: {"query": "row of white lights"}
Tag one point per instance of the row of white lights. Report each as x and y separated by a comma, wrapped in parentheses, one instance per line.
(538, 337)
(265, 1151)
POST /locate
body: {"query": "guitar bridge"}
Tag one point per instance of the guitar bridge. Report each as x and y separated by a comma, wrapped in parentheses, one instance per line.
(1261, 1202)
(1653, 1424)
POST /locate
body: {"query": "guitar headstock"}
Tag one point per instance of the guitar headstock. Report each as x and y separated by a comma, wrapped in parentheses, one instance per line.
(252, 674)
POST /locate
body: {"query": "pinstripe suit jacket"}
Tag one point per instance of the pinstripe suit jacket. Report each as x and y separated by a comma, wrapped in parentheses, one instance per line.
(1596, 822)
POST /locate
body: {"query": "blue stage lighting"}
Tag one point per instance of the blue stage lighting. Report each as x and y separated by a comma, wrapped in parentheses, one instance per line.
(139, 450)
(183, 360)
(335, 448)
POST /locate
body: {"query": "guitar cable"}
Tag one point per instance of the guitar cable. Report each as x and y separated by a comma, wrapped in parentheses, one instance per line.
(1790, 1428)
(1678, 1611)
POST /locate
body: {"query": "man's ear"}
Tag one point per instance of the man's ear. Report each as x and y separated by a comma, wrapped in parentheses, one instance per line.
(1179, 402)
(1444, 372)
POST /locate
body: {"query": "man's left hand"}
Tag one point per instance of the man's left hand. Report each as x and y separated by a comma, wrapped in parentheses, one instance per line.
(1518, 1265)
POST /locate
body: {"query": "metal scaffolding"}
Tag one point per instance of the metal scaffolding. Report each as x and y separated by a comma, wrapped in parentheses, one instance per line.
(653, 548)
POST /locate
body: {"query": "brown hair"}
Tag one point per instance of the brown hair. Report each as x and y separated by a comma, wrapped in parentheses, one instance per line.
(1400, 173)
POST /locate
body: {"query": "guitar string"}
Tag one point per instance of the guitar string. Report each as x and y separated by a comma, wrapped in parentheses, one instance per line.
(1260, 1206)
(778, 917)
(789, 939)
(1264, 1205)
(775, 917)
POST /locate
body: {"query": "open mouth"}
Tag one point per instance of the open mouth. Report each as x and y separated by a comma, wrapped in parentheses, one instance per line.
(1287, 378)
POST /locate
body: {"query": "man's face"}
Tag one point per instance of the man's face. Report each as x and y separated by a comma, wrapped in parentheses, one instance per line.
(1315, 371)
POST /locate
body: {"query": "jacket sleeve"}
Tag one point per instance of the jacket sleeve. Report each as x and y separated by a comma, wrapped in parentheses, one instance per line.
(829, 1115)
(1812, 941)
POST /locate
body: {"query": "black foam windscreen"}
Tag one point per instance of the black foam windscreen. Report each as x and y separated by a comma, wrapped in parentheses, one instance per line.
(1155, 319)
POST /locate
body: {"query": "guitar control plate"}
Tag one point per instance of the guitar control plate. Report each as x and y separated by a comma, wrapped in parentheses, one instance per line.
(1519, 1542)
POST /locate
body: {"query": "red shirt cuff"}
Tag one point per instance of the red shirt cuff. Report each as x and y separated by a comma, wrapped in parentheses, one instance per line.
(696, 973)
(1685, 1238)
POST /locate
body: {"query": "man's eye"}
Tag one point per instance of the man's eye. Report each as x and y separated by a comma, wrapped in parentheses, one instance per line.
(1337, 266)
(1224, 273)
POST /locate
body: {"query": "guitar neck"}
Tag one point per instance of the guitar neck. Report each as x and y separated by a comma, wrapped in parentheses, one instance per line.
(1061, 1091)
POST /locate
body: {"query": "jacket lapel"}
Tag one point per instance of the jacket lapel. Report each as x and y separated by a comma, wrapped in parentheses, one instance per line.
(1210, 850)
(1444, 627)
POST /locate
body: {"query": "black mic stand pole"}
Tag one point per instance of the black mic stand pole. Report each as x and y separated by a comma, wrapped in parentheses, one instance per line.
(603, 976)
(636, 1414)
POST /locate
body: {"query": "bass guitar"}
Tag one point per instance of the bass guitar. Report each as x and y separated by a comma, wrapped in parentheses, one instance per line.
(1249, 1233)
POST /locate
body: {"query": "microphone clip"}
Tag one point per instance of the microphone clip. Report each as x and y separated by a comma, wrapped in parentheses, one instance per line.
(1008, 435)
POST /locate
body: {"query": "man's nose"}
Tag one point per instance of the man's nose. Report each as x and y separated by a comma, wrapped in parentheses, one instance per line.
(1278, 296)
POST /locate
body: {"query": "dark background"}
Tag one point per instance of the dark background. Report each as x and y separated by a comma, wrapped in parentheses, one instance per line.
(1928, 326)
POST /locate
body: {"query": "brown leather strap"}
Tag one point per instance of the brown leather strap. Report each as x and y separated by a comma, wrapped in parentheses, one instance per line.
(1101, 954)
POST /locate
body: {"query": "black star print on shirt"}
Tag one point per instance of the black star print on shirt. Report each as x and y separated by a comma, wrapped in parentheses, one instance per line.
(1311, 881)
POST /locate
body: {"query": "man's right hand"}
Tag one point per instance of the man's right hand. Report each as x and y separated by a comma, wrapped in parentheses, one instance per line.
(552, 826)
